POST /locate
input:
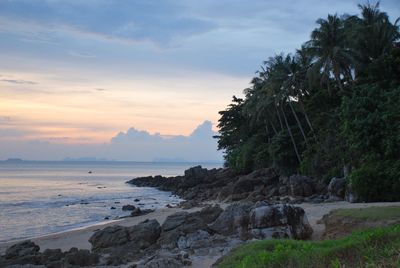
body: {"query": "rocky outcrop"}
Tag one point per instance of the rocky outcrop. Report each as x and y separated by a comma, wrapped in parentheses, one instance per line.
(199, 184)
(209, 231)
(28, 253)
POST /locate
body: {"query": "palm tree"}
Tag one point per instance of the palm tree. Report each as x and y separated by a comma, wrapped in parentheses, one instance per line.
(328, 47)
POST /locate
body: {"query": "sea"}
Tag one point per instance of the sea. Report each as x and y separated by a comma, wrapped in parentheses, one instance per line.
(43, 197)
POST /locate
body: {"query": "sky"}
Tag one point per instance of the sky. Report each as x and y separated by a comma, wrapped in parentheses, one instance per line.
(137, 80)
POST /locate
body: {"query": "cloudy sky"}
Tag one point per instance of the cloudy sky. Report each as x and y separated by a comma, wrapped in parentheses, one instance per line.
(101, 77)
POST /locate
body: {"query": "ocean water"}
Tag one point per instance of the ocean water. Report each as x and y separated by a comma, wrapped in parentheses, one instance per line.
(39, 198)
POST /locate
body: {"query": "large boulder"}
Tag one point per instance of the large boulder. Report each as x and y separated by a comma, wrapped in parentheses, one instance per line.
(337, 188)
(283, 221)
(22, 249)
(233, 220)
(301, 186)
(196, 172)
(143, 235)
(109, 237)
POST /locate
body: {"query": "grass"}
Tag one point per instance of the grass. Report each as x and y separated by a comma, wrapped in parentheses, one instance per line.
(372, 213)
(378, 247)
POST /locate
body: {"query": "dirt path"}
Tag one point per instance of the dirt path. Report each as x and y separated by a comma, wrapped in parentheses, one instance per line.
(315, 212)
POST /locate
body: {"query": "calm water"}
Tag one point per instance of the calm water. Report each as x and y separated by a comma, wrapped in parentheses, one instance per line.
(38, 198)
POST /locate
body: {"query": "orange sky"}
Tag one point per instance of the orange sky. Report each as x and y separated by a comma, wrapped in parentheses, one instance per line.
(91, 108)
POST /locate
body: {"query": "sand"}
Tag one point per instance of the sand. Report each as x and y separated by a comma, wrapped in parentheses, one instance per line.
(79, 237)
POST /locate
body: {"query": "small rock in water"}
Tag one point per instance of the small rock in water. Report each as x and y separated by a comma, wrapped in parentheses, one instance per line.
(90, 172)
(112, 208)
(128, 207)
(107, 218)
(136, 200)
(117, 202)
(84, 203)
(141, 204)
(168, 206)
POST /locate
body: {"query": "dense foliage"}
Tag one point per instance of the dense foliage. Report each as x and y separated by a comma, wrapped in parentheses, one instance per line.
(328, 109)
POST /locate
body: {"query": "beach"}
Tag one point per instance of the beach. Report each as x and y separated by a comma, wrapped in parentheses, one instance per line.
(79, 237)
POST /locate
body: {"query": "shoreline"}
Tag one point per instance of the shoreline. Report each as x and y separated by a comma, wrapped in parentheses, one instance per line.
(78, 237)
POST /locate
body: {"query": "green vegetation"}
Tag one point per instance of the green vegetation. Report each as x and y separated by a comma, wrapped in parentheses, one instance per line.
(372, 213)
(329, 107)
(378, 247)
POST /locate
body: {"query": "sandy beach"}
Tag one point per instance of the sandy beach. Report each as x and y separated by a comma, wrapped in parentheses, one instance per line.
(79, 237)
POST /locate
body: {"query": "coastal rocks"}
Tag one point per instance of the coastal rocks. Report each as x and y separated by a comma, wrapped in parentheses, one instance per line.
(263, 220)
(199, 184)
(22, 249)
(28, 253)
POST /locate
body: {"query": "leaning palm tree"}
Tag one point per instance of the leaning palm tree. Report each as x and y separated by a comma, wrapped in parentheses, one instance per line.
(328, 47)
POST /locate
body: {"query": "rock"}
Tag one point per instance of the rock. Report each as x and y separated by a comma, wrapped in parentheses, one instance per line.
(137, 200)
(301, 186)
(112, 208)
(22, 249)
(163, 262)
(142, 235)
(52, 255)
(233, 220)
(145, 233)
(82, 257)
(128, 207)
(189, 240)
(109, 237)
(210, 213)
(173, 221)
(139, 212)
(337, 187)
(196, 172)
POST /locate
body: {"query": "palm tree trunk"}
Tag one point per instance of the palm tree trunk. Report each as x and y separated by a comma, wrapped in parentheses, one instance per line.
(270, 122)
(297, 120)
(291, 135)
(279, 117)
(305, 114)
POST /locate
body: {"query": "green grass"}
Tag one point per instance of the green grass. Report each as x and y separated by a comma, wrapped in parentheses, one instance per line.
(379, 247)
(372, 213)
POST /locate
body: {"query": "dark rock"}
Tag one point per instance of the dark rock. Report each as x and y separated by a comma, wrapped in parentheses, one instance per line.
(140, 212)
(109, 237)
(196, 172)
(128, 207)
(233, 220)
(137, 200)
(82, 257)
(173, 221)
(112, 208)
(22, 249)
(337, 187)
(145, 233)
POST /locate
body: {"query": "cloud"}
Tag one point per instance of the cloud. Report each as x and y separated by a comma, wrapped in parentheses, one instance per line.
(19, 82)
(133, 145)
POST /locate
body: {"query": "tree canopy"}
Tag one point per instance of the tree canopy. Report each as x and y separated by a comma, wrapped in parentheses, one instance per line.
(328, 108)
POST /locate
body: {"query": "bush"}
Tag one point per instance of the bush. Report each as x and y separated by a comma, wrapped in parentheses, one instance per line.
(377, 181)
